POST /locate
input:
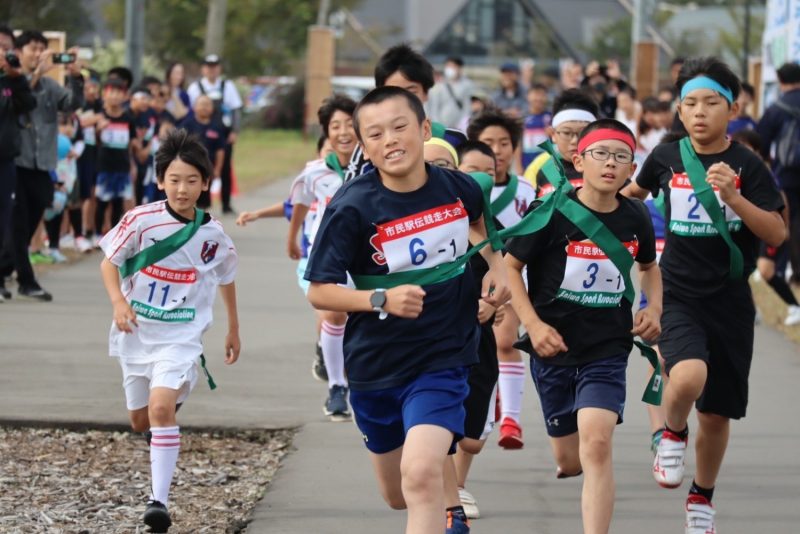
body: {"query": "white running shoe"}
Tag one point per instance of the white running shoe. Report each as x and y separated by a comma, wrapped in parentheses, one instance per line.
(96, 240)
(793, 316)
(82, 244)
(469, 504)
(56, 255)
(699, 515)
(670, 460)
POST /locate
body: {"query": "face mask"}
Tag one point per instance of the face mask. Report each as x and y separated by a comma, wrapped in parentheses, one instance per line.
(451, 73)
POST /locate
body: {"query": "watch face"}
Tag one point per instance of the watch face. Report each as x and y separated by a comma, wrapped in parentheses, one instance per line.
(377, 299)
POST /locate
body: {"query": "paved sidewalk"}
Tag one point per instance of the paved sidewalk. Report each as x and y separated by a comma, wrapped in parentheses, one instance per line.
(55, 369)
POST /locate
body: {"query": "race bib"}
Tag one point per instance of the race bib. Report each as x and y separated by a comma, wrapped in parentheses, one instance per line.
(548, 187)
(426, 239)
(590, 277)
(89, 136)
(689, 217)
(160, 294)
(116, 135)
(659, 249)
(532, 137)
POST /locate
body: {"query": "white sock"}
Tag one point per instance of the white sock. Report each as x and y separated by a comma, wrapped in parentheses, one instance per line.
(332, 340)
(511, 384)
(164, 448)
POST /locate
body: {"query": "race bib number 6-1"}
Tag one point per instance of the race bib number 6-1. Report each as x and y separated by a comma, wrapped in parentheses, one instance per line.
(425, 239)
(689, 217)
(590, 277)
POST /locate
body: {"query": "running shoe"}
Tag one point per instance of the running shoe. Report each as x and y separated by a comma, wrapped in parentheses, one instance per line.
(83, 245)
(96, 238)
(699, 515)
(510, 435)
(561, 475)
(793, 316)
(67, 241)
(655, 439)
(670, 460)
(318, 367)
(156, 517)
(35, 293)
(37, 258)
(336, 405)
(56, 255)
(5, 293)
(456, 525)
(469, 504)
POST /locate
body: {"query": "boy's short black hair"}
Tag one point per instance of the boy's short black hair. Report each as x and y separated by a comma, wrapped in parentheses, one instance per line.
(606, 124)
(409, 62)
(122, 73)
(321, 142)
(680, 60)
(750, 138)
(330, 106)
(575, 99)
(475, 146)
(749, 89)
(29, 36)
(711, 67)
(671, 137)
(149, 80)
(381, 94)
(789, 73)
(180, 144)
(455, 60)
(537, 87)
(5, 30)
(492, 116)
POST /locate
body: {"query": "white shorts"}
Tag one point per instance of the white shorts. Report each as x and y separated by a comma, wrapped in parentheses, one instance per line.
(139, 378)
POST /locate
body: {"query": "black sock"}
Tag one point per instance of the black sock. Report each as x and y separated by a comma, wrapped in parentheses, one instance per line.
(697, 490)
(458, 511)
(683, 434)
(778, 283)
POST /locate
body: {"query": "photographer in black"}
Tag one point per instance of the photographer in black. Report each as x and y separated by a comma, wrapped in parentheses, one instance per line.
(15, 99)
(38, 134)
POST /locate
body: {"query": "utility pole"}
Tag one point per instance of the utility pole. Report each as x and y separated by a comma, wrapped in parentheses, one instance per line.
(134, 36)
(320, 54)
(746, 47)
(644, 63)
(215, 26)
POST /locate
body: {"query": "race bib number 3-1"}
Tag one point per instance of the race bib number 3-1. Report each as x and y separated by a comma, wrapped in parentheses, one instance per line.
(590, 277)
(689, 217)
(426, 239)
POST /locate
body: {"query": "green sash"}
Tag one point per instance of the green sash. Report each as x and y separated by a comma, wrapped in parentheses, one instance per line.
(550, 169)
(507, 196)
(705, 194)
(332, 160)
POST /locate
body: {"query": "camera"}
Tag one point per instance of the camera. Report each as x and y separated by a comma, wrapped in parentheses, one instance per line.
(13, 60)
(63, 57)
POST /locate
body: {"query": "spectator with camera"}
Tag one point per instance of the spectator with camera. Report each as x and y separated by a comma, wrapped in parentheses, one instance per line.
(38, 155)
(15, 99)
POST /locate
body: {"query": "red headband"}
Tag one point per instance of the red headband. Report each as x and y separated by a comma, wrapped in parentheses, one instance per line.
(604, 134)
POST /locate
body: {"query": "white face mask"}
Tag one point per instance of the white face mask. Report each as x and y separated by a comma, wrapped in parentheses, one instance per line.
(451, 73)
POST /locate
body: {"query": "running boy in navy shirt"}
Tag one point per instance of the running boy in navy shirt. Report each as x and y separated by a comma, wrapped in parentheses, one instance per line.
(707, 341)
(578, 318)
(406, 348)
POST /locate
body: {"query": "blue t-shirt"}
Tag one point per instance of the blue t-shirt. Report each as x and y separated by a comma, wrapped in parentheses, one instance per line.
(741, 123)
(211, 135)
(368, 229)
(534, 133)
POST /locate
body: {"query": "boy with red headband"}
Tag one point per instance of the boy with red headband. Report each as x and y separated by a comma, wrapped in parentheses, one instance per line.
(577, 310)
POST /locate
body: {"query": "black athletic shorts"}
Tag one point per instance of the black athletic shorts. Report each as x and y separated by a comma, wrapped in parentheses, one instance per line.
(482, 379)
(717, 329)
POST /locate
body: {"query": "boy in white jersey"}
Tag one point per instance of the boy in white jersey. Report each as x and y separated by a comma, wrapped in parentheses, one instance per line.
(511, 198)
(171, 258)
(313, 191)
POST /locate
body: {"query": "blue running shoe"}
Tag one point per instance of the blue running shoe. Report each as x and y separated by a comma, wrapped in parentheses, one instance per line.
(456, 524)
(336, 406)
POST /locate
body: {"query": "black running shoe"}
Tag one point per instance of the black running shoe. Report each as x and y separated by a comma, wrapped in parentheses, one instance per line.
(156, 517)
(318, 367)
(35, 293)
(5, 294)
(335, 406)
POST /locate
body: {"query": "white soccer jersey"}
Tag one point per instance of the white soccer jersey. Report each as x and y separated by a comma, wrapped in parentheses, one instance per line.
(315, 188)
(523, 198)
(172, 298)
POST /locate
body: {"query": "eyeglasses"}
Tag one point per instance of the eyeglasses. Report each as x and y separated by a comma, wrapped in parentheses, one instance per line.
(568, 134)
(602, 155)
(443, 163)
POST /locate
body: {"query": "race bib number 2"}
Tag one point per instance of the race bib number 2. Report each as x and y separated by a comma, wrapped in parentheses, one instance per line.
(425, 239)
(689, 217)
(590, 277)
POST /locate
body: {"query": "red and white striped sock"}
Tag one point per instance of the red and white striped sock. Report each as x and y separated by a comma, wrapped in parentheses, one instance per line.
(332, 340)
(164, 448)
(511, 385)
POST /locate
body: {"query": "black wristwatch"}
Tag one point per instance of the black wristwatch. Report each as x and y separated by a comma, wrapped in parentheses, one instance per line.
(378, 300)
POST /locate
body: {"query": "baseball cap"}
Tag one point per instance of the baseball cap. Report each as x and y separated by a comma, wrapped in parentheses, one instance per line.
(211, 59)
(509, 67)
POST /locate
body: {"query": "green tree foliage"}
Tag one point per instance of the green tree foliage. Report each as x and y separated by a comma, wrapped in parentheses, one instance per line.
(68, 16)
(261, 36)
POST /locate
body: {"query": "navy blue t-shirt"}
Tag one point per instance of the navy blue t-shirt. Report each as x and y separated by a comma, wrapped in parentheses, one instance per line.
(211, 134)
(368, 229)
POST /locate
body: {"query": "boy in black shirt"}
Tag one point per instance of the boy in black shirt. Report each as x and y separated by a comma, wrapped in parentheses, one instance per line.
(211, 134)
(707, 339)
(578, 316)
(406, 348)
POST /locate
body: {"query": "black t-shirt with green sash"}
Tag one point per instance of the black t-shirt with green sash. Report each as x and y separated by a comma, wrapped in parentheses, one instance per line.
(698, 261)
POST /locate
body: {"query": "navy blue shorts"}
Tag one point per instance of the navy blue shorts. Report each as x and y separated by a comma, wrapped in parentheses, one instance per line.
(111, 185)
(437, 398)
(87, 174)
(563, 390)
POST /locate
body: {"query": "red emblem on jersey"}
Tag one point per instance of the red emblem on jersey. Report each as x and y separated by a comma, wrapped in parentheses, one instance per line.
(378, 257)
(209, 251)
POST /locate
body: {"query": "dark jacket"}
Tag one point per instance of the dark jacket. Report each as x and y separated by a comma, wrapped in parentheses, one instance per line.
(15, 99)
(769, 128)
